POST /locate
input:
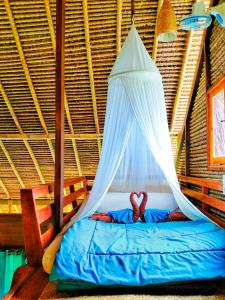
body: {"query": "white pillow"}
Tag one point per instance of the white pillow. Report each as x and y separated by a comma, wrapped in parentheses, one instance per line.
(117, 201)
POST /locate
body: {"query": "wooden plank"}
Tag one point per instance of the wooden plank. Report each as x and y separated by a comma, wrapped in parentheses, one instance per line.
(40, 191)
(209, 200)
(11, 231)
(47, 237)
(59, 139)
(20, 277)
(44, 214)
(72, 190)
(218, 221)
(71, 197)
(34, 286)
(69, 215)
(69, 182)
(218, 186)
(32, 233)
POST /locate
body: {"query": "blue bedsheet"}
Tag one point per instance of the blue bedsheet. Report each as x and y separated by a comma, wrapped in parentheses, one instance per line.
(141, 254)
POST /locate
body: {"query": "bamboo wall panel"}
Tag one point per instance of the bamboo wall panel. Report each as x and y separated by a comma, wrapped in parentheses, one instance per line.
(217, 49)
(7, 123)
(198, 120)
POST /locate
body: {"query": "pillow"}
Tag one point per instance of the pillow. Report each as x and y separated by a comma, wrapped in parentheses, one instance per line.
(176, 216)
(153, 215)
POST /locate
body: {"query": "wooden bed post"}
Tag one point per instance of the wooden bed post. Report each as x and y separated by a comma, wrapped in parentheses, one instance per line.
(59, 136)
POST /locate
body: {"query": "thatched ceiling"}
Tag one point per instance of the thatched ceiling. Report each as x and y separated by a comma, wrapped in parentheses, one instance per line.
(94, 33)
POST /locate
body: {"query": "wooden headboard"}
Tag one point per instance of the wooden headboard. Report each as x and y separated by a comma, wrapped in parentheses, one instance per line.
(38, 225)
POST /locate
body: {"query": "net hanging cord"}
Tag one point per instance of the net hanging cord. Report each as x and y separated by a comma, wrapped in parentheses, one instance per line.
(132, 12)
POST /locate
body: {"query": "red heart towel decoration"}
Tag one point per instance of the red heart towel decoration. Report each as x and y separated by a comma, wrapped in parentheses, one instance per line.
(138, 211)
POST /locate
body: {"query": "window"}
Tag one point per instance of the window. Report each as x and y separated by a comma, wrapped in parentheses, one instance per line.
(216, 125)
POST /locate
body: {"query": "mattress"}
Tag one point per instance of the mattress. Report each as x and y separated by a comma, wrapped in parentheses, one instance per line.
(108, 254)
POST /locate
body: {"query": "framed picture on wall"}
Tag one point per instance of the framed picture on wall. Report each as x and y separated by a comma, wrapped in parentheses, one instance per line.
(216, 126)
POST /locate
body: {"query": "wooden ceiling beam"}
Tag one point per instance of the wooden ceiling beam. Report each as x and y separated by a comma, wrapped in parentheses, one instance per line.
(4, 189)
(90, 70)
(29, 149)
(12, 112)
(181, 79)
(10, 108)
(26, 70)
(51, 136)
(118, 25)
(66, 104)
(9, 158)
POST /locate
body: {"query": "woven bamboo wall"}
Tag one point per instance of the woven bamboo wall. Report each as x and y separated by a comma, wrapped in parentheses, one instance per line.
(198, 120)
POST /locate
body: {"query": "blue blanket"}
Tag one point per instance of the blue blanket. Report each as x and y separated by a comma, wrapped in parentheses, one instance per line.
(141, 254)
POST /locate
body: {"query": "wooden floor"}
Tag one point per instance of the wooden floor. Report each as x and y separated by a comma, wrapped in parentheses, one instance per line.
(32, 283)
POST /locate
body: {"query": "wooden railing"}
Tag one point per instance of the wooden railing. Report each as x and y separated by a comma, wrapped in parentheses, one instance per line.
(36, 240)
(206, 201)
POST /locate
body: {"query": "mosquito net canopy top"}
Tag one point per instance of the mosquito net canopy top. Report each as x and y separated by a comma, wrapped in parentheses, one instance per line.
(136, 152)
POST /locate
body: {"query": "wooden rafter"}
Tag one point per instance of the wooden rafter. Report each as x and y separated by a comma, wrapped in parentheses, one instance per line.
(51, 136)
(29, 149)
(155, 43)
(4, 188)
(8, 156)
(187, 78)
(26, 71)
(69, 120)
(182, 74)
(90, 70)
(12, 112)
(118, 25)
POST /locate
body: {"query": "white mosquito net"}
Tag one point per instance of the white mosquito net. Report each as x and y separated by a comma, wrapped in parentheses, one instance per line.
(136, 153)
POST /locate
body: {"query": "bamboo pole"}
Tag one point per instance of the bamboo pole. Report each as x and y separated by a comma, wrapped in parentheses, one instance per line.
(4, 188)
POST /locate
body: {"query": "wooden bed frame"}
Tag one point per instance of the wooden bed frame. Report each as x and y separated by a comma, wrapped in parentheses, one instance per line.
(37, 237)
(39, 231)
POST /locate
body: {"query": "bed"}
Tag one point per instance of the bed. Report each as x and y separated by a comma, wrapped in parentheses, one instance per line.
(94, 254)
(37, 238)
